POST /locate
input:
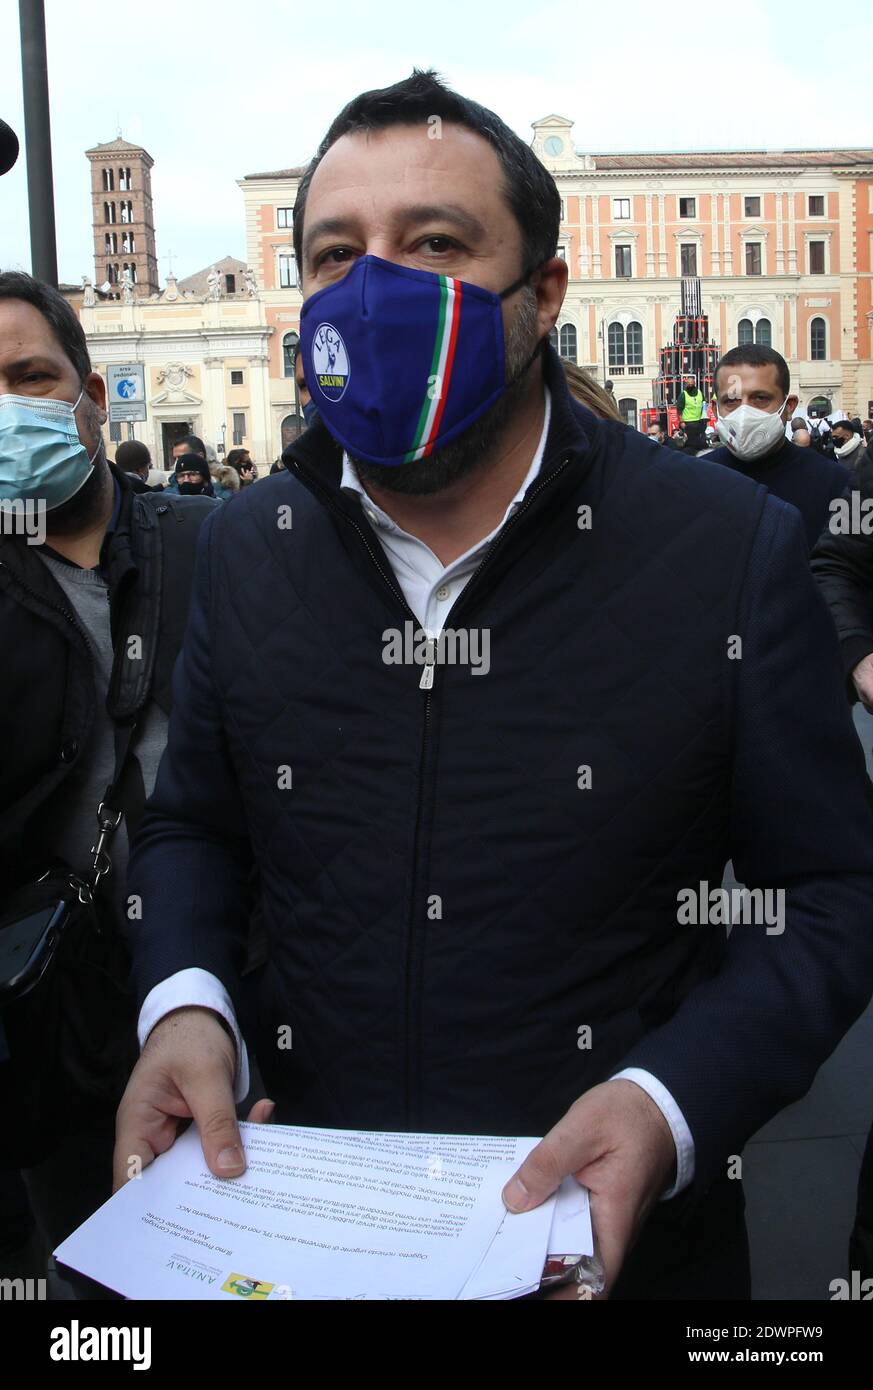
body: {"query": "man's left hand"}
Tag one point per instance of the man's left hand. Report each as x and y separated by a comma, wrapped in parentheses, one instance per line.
(615, 1141)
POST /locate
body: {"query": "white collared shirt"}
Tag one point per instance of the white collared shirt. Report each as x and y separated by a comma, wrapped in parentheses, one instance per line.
(430, 589)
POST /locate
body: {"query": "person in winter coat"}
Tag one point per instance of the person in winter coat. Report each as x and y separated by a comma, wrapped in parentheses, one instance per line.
(192, 476)
(853, 452)
(490, 740)
(753, 389)
(111, 556)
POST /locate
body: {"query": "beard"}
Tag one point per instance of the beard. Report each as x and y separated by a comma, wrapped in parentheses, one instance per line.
(471, 451)
(84, 508)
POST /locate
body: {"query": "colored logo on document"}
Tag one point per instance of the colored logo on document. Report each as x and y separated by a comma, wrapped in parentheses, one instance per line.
(244, 1287)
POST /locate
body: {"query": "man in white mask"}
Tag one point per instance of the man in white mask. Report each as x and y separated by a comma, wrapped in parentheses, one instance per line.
(849, 443)
(754, 401)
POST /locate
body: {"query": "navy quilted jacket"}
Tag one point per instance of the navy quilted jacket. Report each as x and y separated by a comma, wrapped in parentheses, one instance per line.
(447, 902)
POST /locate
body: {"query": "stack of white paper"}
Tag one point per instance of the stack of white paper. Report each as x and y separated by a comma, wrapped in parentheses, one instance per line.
(330, 1214)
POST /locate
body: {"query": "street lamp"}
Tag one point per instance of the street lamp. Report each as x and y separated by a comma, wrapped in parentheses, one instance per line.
(38, 141)
(221, 448)
(295, 352)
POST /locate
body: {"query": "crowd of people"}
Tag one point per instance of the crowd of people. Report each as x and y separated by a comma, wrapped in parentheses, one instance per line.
(194, 473)
(457, 888)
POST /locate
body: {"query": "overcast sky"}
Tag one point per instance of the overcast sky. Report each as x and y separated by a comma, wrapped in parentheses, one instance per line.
(217, 91)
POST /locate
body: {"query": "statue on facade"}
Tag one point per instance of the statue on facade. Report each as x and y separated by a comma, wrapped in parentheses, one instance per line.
(213, 280)
(250, 283)
(126, 287)
(89, 298)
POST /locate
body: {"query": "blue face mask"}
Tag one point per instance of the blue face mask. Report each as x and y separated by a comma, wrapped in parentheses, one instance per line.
(310, 410)
(42, 458)
(400, 361)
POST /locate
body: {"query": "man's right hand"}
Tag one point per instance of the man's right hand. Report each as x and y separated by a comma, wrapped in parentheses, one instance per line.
(185, 1072)
(863, 678)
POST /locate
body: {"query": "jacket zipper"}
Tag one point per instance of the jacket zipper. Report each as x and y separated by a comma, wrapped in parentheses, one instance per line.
(49, 603)
(426, 684)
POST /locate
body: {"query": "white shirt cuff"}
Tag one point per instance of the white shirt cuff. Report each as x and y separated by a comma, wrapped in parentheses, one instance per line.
(675, 1119)
(186, 989)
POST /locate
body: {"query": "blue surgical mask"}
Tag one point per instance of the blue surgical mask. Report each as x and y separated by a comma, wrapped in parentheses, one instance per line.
(402, 361)
(42, 458)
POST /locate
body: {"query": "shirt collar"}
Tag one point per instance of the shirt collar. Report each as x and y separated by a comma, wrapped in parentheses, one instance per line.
(353, 487)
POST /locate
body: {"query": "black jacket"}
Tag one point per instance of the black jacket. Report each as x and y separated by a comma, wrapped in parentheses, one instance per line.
(448, 902)
(801, 477)
(860, 466)
(842, 563)
(46, 683)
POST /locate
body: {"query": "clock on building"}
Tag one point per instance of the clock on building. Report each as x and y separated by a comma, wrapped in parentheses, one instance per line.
(553, 145)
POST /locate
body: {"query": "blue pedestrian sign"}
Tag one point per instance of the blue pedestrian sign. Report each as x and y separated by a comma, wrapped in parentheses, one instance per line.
(126, 387)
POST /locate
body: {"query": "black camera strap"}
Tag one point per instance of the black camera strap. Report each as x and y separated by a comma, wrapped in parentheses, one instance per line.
(114, 805)
(135, 642)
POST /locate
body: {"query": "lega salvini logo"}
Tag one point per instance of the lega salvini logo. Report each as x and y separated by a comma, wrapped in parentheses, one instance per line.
(330, 361)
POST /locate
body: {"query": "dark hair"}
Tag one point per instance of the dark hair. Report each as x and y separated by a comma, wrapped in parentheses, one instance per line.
(58, 313)
(530, 190)
(853, 426)
(132, 455)
(192, 444)
(754, 356)
(237, 457)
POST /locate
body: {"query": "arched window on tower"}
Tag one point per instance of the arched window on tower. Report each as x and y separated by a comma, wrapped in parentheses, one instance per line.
(569, 341)
(128, 242)
(290, 344)
(108, 180)
(124, 179)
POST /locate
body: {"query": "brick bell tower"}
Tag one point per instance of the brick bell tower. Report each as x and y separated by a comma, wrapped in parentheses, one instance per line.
(122, 217)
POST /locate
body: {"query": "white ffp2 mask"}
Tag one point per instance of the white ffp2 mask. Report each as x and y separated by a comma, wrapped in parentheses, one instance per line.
(749, 432)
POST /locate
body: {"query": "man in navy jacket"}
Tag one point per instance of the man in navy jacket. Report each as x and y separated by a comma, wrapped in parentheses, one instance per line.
(489, 723)
(752, 383)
